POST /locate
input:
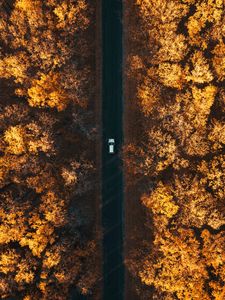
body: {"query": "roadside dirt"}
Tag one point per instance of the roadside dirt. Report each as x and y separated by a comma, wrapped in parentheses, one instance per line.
(135, 229)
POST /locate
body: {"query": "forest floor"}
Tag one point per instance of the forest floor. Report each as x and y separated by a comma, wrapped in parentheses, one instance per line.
(135, 229)
(98, 81)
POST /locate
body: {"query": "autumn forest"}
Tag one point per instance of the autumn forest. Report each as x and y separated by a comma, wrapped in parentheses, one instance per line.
(175, 89)
(47, 174)
(51, 233)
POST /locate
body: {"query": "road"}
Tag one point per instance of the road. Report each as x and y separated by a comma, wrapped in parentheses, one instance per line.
(112, 177)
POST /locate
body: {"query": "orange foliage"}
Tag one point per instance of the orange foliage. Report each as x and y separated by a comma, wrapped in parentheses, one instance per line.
(176, 79)
(45, 168)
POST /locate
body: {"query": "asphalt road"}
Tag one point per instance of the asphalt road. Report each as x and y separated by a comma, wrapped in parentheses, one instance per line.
(112, 177)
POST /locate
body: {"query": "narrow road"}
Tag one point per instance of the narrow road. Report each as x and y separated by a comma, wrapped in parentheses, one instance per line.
(112, 177)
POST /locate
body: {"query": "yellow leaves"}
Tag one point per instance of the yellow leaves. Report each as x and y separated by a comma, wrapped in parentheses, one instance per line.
(194, 26)
(163, 147)
(69, 14)
(201, 72)
(206, 11)
(213, 249)
(12, 226)
(61, 277)
(200, 105)
(182, 104)
(161, 10)
(173, 47)
(42, 286)
(14, 137)
(171, 75)
(213, 172)
(26, 5)
(177, 267)
(217, 134)
(148, 94)
(31, 9)
(28, 138)
(204, 98)
(53, 208)
(36, 59)
(38, 140)
(161, 201)
(24, 275)
(51, 259)
(69, 176)
(60, 11)
(41, 182)
(8, 261)
(42, 235)
(219, 60)
(197, 206)
(48, 91)
(14, 66)
(218, 290)
(147, 275)
(44, 144)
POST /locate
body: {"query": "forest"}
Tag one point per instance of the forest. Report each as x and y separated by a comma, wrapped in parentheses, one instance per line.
(173, 156)
(49, 245)
(174, 153)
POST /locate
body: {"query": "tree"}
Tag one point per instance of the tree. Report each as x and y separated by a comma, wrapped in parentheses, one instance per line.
(176, 70)
(48, 91)
(176, 266)
(162, 205)
(48, 241)
(42, 44)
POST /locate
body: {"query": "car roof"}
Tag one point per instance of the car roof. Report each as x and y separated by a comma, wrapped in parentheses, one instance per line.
(111, 140)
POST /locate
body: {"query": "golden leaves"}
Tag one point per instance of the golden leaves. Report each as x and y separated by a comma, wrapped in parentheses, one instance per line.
(213, 248)
(48, 91)
(163, 147)
(69, 176)
(178, 267)
(24, 275)
(27, 5)
(14, 138)
(203, 99)
(29, 138)
(173, 47)
(219, 60)
(13, 226)
(217, 134)
(53, 209)
(148, 94)
(42, 235)
(15, 66)
(71, 14)
(51, 259)
(8, 261)
(206, 11)
(180, 94)
(214, 174)
(171, 75)
(161, 201)
(41, 42)
(201, 72)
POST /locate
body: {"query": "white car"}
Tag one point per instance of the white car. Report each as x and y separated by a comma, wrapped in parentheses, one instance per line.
(111, 144)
